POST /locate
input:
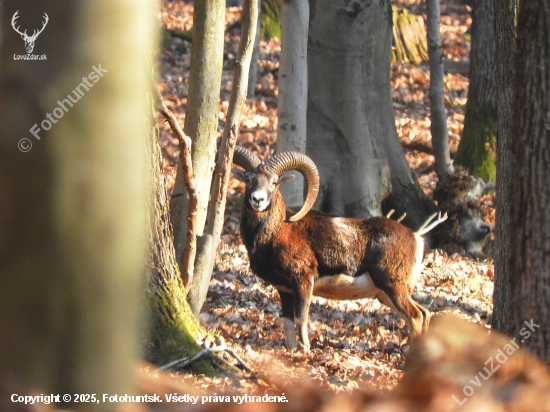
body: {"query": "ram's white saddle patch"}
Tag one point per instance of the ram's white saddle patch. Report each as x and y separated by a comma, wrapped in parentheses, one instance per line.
(344, 287)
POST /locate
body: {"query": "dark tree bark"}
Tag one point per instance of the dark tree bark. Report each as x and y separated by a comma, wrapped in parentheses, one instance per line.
(530, 192)
(505, 14)
(352, 136)
(477, 148)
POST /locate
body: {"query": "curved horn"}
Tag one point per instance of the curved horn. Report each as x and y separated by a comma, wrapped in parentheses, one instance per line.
(297, 161)
(245, 158)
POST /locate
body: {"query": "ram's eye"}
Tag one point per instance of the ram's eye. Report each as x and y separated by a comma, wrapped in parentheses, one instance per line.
(272, 186)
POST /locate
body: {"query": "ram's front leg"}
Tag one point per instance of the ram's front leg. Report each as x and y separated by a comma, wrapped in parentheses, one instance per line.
(302, 299)
(287, 303)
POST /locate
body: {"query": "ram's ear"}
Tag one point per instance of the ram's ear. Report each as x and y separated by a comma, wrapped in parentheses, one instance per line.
(239, 174)
(284, 179)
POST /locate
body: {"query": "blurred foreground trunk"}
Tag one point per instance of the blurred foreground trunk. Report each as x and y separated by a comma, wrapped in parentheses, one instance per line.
(73, 196)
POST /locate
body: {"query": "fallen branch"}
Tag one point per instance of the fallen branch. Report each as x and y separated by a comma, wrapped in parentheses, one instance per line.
(221, 347)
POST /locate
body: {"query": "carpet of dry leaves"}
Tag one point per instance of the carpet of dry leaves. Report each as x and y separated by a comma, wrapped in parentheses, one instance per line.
(353, 343)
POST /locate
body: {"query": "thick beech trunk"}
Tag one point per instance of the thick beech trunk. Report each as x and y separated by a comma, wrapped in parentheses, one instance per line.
(352, 136)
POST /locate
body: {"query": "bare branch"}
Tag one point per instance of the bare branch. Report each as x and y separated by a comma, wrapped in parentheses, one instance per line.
(188, 258)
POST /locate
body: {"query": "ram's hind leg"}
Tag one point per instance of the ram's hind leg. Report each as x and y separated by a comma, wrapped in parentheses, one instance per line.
(401, 302)
(287, 303)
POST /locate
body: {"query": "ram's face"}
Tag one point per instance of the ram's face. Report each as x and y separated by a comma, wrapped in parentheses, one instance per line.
(261, 186)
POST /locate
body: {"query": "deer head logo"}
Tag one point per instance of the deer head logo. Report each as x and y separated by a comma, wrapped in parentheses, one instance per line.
(29, 40)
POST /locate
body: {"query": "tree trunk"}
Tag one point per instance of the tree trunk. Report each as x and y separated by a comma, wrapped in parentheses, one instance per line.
(530, 194)
(505, 15)
(174, 329)
(477, 148)
(292, 104)
(254, 63)
(352, 136)
(216, 208)
(438, 113)
(201, 121)
(73, 206)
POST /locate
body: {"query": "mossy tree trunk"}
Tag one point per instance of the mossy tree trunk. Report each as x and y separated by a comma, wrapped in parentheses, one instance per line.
(409, 37)
(73, 206)
(174, 329)
(477, 149)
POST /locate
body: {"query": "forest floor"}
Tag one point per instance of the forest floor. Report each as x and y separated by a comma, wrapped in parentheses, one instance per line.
(353, 343)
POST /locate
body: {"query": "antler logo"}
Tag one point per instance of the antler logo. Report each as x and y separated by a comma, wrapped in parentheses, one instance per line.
(29, 40)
